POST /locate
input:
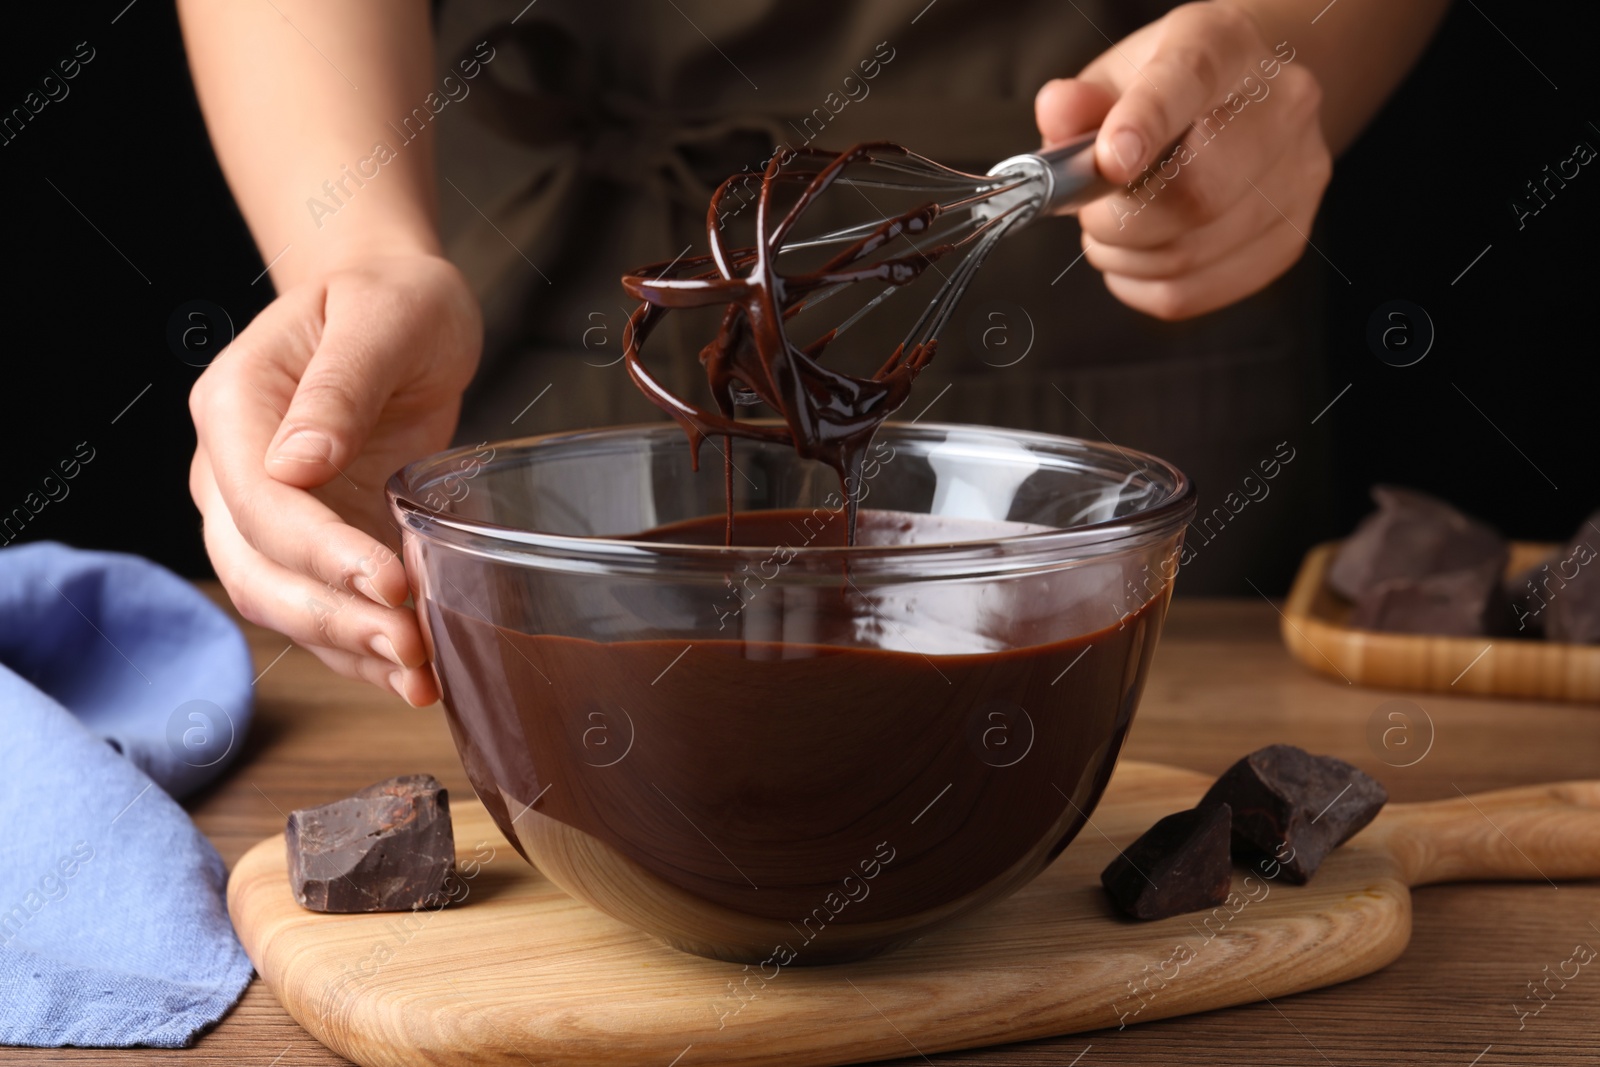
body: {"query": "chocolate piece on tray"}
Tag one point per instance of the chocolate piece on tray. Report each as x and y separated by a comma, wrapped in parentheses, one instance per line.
(1464, 602)
(1290, 808)
(1572, 586)
(1411, 535)
(1180, 864)
(1529, 592)
(387, 848)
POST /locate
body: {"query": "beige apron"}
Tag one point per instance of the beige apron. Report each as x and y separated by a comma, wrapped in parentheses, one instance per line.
(591, 141)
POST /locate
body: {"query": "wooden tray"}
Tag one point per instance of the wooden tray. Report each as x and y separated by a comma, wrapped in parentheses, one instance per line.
(1314, 629)
(521, 974)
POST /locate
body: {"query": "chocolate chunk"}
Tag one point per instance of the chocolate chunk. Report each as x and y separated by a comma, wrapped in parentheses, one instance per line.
(1571, 587)
(1180, 864)
(1411, 535)
(1290, 808)
(1464, 602)
(1529, 592)
(388, 848)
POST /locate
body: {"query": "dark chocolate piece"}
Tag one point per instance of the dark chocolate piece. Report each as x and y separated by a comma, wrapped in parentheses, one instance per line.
(388, 848)
(1572, 588)
(1290, 808)
(1528, 592)
(1180, 864)
(1465, 602)
(1412, 535)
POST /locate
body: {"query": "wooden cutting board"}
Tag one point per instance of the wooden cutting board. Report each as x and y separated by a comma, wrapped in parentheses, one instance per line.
(518, 973)
(1316, 633)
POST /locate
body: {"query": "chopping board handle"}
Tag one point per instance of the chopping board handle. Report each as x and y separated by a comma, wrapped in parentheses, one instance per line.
(1540, 833)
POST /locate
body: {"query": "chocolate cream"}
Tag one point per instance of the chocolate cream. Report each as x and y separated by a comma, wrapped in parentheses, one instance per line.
(757, 776)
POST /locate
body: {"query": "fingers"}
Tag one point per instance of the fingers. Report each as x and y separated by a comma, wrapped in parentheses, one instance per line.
(1189, 250)
(238, 407)
(1231, 258)
(380, 644)
(1244, 271)
(1198, 51)
(1198, 242)
(339, 396)
(1067, 107)
(1211, 168)
(282, 523)
(417, 688)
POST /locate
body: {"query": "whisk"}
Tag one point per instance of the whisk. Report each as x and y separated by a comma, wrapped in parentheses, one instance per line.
(827, 414)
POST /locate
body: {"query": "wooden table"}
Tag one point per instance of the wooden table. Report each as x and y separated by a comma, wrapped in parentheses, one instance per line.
(1222, 685)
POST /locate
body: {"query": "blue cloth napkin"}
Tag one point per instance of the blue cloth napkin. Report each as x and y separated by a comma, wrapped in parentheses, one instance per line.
(121, 686)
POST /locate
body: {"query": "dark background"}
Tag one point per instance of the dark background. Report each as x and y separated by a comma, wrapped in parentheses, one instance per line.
(1498, 417)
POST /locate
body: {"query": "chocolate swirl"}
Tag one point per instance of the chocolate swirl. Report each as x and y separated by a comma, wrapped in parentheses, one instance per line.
(827, 415)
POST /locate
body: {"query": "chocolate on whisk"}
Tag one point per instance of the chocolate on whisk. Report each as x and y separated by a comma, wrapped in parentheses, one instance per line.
(827, 414)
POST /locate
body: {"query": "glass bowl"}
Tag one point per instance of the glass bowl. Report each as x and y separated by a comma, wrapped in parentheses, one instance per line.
(790, 751)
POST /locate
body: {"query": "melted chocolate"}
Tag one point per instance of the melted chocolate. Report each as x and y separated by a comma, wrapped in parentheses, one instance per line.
(756, 775)
(827, 415)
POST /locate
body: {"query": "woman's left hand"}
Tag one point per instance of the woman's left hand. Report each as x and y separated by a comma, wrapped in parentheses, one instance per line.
(1220, 135)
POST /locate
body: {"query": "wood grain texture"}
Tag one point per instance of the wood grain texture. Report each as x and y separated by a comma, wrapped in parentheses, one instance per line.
(1221, 685)
(520, 972)
(1315, 630)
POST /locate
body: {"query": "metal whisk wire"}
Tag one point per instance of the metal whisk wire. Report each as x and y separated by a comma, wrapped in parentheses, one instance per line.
(1010, 195)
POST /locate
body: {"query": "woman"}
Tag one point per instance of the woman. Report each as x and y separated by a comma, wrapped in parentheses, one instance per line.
(576, 140)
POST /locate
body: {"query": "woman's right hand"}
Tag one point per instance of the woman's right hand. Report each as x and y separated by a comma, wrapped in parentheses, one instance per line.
(301, 420)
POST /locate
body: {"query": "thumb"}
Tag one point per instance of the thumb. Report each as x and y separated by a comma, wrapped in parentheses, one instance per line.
(1067, 107)
(333, 410)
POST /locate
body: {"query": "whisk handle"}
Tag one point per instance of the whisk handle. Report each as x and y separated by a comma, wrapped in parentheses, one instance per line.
(1067, 171)
(1076, 180)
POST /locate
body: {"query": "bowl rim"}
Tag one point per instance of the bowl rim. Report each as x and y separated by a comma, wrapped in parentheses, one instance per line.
(1169, 516)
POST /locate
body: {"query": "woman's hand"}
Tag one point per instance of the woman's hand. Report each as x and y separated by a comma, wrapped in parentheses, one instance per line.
(1220, 133)
(337, 384)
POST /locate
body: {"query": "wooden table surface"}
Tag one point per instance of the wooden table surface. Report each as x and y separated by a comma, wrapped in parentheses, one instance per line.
(1221, 685)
